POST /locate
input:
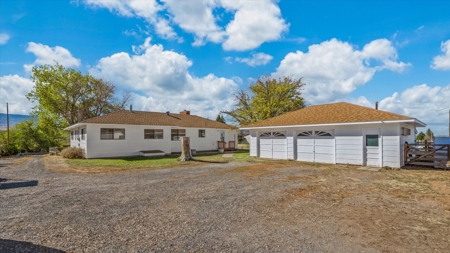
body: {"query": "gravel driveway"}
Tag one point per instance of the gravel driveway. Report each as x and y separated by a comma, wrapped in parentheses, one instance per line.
(213, 207)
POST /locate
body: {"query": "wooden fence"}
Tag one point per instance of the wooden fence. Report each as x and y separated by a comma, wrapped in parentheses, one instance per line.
(435, 155)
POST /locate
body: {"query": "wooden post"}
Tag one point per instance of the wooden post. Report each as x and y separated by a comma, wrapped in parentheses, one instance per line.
(448, 153)
(7, 120)
(186, 154)
(405, 153)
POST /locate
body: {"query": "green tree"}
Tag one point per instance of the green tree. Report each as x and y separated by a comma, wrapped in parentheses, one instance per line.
(268, 97)
(220, 118)
(63, 97)
(429, 135)
(32, 135)
(421, 136)
(66, 96)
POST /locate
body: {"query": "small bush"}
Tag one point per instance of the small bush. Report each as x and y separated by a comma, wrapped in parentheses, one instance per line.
(9, 149)
(72, 153)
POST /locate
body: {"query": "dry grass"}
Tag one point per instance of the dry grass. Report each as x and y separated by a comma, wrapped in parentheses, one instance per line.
(18, 161)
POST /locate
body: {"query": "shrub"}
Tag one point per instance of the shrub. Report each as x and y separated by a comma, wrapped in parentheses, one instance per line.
(9, 149)
(72, 153)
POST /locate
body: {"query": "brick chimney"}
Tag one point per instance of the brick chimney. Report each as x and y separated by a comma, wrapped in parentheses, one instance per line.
(186, 112)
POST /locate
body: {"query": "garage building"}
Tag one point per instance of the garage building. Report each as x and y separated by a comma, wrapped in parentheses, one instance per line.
(338, 133)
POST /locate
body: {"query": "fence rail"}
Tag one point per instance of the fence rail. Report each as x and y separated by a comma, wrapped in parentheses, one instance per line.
(435, 155)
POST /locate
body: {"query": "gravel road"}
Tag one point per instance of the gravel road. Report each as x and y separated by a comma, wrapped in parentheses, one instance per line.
(208, 208)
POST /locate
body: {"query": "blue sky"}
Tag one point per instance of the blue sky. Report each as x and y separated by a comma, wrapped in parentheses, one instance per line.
(174, 55)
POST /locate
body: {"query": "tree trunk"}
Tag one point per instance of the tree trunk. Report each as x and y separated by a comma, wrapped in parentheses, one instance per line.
(186, 154)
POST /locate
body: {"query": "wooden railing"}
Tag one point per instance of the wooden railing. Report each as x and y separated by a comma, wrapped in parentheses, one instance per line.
(435, 155)
(223, 145)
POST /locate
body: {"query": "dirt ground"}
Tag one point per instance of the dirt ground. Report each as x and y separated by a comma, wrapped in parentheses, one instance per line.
(269, 206)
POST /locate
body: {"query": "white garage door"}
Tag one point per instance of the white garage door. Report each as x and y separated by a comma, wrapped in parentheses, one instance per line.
(273, 145)
(315, 146)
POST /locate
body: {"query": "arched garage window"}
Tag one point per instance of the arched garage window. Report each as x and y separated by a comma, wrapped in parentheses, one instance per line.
(306, 133)
(279, 134)
(267, 134)
(322, 133)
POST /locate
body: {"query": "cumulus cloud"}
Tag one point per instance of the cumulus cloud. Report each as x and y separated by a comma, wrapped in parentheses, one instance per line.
(147, 10)
(47, 55)
(428, 104)
(256, 59)
(160, 81)
(442, 62)
(253, 22)
(333, 69)
(13, 89)
(4, 37)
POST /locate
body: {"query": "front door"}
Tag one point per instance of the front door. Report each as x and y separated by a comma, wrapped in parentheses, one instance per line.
(372, 147)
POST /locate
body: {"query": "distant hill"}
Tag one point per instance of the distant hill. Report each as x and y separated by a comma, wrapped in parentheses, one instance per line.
(13, 120)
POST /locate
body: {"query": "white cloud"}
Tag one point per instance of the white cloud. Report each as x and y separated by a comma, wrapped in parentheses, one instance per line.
(160, 81)
(333, 69)
(4, 37)
(428, 104)
(256, 59)
(147, 10)
(47, 55)
(13, 89)
(442, 62)
(196, 17)
(253, 23)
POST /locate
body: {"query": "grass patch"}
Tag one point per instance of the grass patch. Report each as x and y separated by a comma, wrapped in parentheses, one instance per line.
(140, 162)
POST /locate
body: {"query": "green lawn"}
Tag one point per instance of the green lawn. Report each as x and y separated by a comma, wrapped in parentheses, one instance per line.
(153, 162)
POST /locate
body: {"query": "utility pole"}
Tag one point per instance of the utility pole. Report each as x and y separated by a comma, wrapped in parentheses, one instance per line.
(7, 120)
(448, 123)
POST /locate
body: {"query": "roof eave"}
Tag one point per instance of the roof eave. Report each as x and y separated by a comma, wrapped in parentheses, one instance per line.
(416, 122)
(75, 126)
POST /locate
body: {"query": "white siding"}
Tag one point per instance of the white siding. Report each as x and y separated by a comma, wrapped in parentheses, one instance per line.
(290, 148)
(253, 144)
(349, 150)
(391, 151)
(134, 140)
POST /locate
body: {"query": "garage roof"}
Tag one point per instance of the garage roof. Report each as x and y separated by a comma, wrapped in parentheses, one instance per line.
(332, 113)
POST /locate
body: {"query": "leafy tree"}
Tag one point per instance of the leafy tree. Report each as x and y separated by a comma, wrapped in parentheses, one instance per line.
(268, 97)
(32, 135)
(421, 136)
(429, 135)
(66, 96)
(220, 118)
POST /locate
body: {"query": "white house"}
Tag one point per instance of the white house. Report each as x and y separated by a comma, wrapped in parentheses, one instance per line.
(339, 133)
(127, 133)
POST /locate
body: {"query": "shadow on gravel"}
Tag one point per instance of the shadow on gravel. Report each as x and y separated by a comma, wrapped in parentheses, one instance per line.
(4, 186)
(203, 161)
(19, 246)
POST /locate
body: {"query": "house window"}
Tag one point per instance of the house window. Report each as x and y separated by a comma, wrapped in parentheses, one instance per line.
(153, 134)
(201, 133)
(83, 134)
(406, 131)
(372, 140)
(177, 134)
(112, 134)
